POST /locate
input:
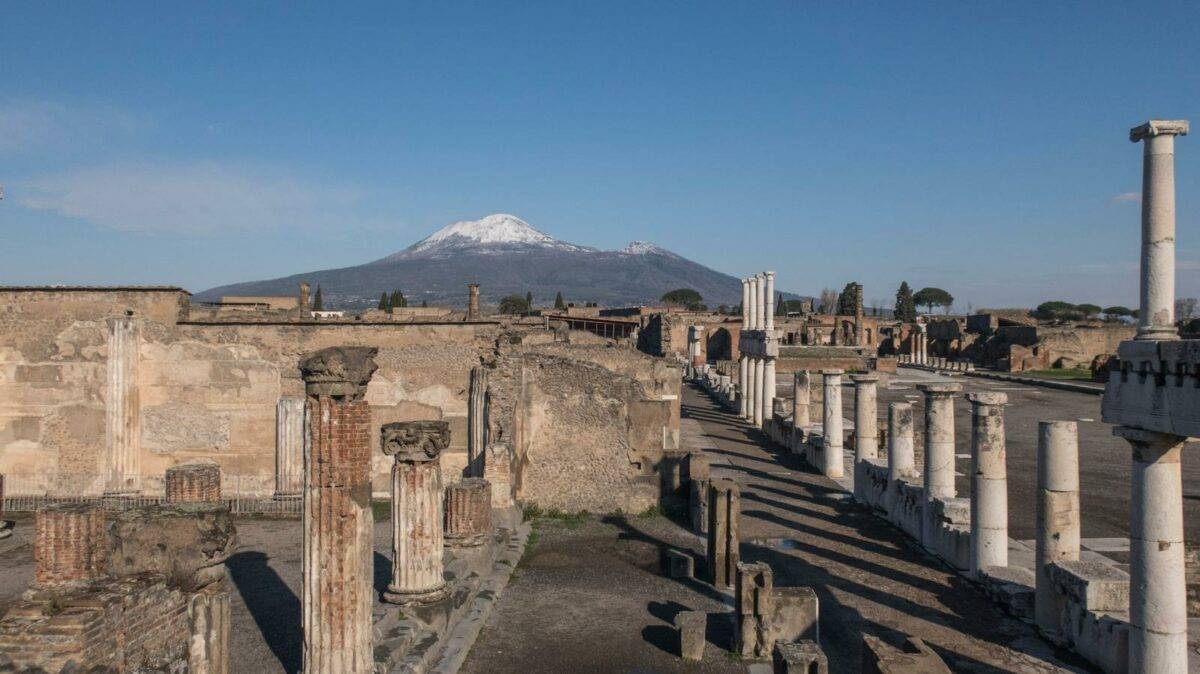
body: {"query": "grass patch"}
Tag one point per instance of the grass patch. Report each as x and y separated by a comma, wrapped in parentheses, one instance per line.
(381, 510)
(1066, 374)
(533, 513)
(652, 511)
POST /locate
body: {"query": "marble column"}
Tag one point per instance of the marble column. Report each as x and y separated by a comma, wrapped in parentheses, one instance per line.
(754, 324)
(745, 304)
(989, 482)
(477, 420)
(291, 442)
(338, 565)
(768, 388)
(831, 449)
(123, 428)
(939, 449)
(769, 293)
(1057, 515)
(760, 301)
(1156, 318)
(902, 462)
(417, 537)
(760, 376)
(472, 301)
(1157, 585)
(744, 387)
(800, 398)
(866, 420)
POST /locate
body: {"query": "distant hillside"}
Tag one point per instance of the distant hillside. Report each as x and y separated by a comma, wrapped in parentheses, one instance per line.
(505, 255)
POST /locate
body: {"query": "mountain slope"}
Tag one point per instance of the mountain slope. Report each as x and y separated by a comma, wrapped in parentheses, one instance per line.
(505, 255)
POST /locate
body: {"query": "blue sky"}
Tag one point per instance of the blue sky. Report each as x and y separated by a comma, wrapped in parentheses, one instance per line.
(979, 147)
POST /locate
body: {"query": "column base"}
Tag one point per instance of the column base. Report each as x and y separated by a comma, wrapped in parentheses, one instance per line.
(1157, 332)
(425, 597)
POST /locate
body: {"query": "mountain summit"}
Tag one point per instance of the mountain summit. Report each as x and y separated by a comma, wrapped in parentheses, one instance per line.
(506, 255)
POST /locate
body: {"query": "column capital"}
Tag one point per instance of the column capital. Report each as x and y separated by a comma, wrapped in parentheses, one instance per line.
(415, 441)
(988, 399)
(833, 372)
(1149, 440)
(768, 274)
(864, 378)
(941, 389)
(1159, 127)
(338, 370)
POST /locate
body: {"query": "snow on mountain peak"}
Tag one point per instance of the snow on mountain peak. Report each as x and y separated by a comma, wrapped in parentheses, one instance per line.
(642, 248)
(499, 228)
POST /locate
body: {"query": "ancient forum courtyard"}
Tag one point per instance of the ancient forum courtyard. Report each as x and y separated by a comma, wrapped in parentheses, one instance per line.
(257, 483)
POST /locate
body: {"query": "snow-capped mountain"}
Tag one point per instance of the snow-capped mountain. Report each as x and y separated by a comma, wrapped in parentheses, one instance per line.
(507, 255)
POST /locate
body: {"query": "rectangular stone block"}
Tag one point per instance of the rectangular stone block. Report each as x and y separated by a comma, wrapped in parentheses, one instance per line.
(794, 615)
(698, 506)
(680, 564)
(799, 657)
(1093, 585)
(914, 658)
(691, 626)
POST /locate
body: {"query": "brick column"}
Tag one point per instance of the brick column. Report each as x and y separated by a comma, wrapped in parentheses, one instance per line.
(291, 439)
(989, 482)
(477, 421)
(468, 517)
(336, 594)
(1157, 583)
(70, 545)
(416, 510)
(196, 481)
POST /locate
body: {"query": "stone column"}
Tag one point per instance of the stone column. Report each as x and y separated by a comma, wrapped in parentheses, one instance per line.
(497, 470)
(468, 518)
(197, 481)
(417, 518)
(902, 462)
(477, 421)
(744, 386)
(768, 388)
(336, 594)
(305, 307)
(831, 454)
(1057, 515)
(745, 304)
(754, 324)
(695, 345)
(989, 482)
(866, 421)
(800, 398)
(939, 450)
(760, 302)
(724, 504)
(1157, 585)
(123, 428)
(1156, 318)
(70, 545)
(291, 440)
(769, 291)
(472, 301)
(760, 376)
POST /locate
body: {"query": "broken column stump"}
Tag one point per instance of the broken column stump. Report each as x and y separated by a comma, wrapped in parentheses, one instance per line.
(691, 626)
(468, 516)
(724, 502)
(915, 658)
(416, 510)
(69, 545)
(753, 610)
(799, 657)
(196, 481)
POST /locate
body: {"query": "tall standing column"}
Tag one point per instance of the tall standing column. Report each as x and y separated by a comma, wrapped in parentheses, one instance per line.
(1156, 318)
(759, 377)
(768, 388)
(417, 536)
(473, 301)
(989, 482)
(831, 453)
(291, 440)
(744, 386)
(866, 421)
(769, 292)
(939, 449)
(1057, 515)
(800, 398)
(754, 281)
(760, 301)
(477, 421)
(123, 428)
(336, 594)
(745, 304)
(902, 462)
(1157, 585)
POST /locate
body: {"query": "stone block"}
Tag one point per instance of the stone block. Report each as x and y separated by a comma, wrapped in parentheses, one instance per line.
(914, 658)
(680, 564)
(1095, 586)
(186, 542)
(1012, 587)
(794, 615)
(753, 610)
(691, 627)
(799, 657)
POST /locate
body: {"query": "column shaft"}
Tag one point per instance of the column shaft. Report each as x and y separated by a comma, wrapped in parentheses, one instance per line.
(477, 420)
(744, 386)
(1057, 515)
(417, 536)
(901, 454)
(291, 438)
(745, 304)
(939, 451)
(768, 388)
(759, 378)
(769, 313)
(1156, 319)
(831, 454)
(122, 408)
(800, 398)
(989, 482)
(866, 420)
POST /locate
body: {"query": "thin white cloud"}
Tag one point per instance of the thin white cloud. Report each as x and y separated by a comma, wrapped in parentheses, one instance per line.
(198, 198)
(32, 126)
(1127, 198)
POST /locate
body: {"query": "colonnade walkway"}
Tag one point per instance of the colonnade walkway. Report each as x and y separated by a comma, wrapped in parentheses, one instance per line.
(869, 578)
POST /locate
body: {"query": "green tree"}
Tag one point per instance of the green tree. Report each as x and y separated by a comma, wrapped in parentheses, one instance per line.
(682, 296)
(1118, 311)
(529, 299)
(513, 305)
(424, 304)
(384, 303)
(849, 299)
(906, 308)
(1055, 310)
(933, 297)
(559, 304)
(1088, 310)
(397, 300)
(779, 310)
(318, 303)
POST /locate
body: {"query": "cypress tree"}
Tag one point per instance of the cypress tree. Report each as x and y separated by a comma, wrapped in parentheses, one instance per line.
(397, 299)
(384, 305)
(529, 300)
(424, 304)
(906, 309)
(318, 303)
(558, 302)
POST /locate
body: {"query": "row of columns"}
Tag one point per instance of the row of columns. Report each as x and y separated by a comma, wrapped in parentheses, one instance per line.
(756, 371)
(919, 346)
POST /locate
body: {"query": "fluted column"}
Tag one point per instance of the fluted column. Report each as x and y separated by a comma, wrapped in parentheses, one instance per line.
(939, 450)
(1156, 318)
(1157, 584)
(866, 420)
(291, 441)
(416, 510)
(754, 324)
(1057, 515)
(800, 398)
(769, 293)
(989, 482)
(123, 429)
(760, 301)
(745, 304)
(477, 422)
(336, 595)
(831, 454)
(760, 376)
